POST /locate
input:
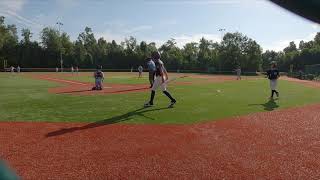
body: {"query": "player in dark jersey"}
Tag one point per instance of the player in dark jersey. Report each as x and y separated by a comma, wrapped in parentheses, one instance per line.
(273, 75)
(99, 77)
(161, 76)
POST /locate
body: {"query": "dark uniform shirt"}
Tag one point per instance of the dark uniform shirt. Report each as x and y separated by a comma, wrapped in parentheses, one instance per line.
(98, 74)
(273, 74)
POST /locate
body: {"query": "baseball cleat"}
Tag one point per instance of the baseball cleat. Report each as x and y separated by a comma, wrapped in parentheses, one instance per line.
(148, 104)
(171, 104)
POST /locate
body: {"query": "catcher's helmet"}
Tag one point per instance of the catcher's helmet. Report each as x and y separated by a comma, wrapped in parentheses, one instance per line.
(156, 55)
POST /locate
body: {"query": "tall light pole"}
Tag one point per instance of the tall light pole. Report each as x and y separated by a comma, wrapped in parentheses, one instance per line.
(61, 61)
(221, 30)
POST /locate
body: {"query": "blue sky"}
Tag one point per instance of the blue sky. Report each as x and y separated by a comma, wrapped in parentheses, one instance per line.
(159, 20)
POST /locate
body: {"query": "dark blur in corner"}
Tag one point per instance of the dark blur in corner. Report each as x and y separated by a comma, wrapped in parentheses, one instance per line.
(6, 173)
(309, 9)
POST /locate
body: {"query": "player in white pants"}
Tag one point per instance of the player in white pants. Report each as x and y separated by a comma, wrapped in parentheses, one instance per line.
(159, 82)
(238, 71)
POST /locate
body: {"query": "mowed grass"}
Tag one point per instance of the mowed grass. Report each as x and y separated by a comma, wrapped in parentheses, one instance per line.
(25, 99)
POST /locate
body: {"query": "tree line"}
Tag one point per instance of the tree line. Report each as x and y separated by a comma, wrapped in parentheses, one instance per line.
(235, 49)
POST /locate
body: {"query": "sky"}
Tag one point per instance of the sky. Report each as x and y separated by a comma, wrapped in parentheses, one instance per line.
(159, 20)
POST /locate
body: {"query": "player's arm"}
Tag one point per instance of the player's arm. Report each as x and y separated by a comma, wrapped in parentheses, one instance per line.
(162, 73)
(165, 73)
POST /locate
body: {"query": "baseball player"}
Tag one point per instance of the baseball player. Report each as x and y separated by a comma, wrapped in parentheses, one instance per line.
(152, 70)
(72, 69)
(238, 71)
(140, 69)
(161, 76)
(18, 69)
(12, 69)
(99, 77)
(273, 75)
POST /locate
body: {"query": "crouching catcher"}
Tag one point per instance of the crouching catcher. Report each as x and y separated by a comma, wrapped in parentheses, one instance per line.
(99, 77)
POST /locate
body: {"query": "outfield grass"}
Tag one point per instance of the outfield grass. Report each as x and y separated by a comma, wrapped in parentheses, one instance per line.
(26, 99)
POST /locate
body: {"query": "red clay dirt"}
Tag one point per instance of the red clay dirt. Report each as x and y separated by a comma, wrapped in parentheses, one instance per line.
(282, 144)
(314, 84)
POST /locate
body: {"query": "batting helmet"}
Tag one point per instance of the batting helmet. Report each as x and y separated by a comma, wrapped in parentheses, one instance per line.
(156, 55)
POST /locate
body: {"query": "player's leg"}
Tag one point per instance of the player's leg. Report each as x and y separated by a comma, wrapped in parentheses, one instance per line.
(151, 78)
(100, 84)
(155, 86)
(275, 87)
(96, 86)
(272, 87)
(164, 90)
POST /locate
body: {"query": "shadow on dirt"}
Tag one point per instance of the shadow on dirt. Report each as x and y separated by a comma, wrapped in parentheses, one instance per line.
(268, 106)
(116, 119)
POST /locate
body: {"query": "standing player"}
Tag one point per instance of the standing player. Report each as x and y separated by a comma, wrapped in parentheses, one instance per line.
(273, 75)
(18, 69)
(72, 69)
(238, 71)
(99, 77)
(140, 69)
(12, 69)
(152, 70)
(161, 77)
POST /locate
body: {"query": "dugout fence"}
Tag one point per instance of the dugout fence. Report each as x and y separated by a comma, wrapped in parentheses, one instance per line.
(312, 69)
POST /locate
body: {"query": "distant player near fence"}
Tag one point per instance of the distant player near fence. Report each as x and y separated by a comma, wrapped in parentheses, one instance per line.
(18, 69)
(238, 72)
(12, 69)
(140, 69)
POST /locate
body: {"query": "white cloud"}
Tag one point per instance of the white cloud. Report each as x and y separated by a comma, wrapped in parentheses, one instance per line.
(12, 5)
(109, 36)
(138, 29)
(183, 39)
(281, 44)
(202, 2)
(12, 9)
(315, 26)
(192, 2)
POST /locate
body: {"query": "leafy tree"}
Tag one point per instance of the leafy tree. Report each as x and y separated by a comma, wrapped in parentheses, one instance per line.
(291, 48)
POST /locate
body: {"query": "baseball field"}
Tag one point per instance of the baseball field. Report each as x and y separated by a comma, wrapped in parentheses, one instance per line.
(53, 126)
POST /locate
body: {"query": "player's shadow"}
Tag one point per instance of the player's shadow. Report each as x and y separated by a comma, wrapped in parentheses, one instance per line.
(268, 106)
(116, 119)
